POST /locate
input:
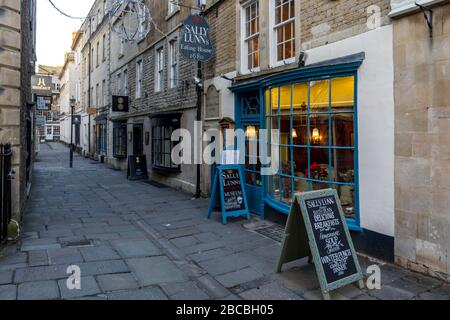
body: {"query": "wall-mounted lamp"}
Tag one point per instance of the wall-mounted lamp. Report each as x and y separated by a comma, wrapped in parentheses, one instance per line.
(294, 134)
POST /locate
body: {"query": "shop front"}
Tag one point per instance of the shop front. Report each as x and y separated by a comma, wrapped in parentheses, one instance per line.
(315, 111)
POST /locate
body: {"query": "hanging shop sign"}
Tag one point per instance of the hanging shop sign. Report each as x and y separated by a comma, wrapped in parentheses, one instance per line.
(229, 183)
(317, 229)
(137, 168)
(195, 43)
(120, 104)
(44, 103)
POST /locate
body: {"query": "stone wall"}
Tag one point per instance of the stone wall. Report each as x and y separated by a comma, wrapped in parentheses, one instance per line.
(325, 21)
(16, 68)
(422, 107)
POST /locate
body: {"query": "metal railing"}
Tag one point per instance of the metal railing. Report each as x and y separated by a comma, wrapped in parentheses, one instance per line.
(6, 175)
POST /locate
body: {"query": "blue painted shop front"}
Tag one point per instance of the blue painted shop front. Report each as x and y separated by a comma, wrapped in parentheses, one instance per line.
(314, 108)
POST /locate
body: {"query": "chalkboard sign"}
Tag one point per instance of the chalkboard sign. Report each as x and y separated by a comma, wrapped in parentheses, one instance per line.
(137, 168)
(230, 183)
(329, 243)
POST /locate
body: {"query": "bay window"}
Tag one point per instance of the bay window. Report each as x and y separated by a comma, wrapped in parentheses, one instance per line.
(316, 121)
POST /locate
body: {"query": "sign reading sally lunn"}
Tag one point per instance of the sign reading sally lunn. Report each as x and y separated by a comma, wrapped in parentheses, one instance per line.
(317, 229)
(195, 42)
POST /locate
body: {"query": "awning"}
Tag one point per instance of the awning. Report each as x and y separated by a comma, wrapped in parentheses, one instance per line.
(339, 65)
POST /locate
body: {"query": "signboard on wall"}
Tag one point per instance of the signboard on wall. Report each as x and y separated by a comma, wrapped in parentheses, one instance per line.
(195, 42)
(317, 228)
(44, 103)
(229, 184)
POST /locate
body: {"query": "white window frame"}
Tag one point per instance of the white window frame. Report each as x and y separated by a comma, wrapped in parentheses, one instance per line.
(159, 69)
(173, 63)
(274, 62)
(119, 84)
(244, 39)
(125, 82)
(139, 75)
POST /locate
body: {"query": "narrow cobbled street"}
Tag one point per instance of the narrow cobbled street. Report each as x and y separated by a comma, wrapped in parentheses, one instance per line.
(133, 240)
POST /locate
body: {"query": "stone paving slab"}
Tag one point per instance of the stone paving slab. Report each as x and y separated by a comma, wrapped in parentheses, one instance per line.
(89, 287)
(144, 247)
(8, 292)
(41, 290)
(131, 248)
(6, 277)
(155, 270)
(115, 282)
(152, 293)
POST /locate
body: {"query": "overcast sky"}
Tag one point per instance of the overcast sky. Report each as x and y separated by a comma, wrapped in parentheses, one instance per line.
(54, 31)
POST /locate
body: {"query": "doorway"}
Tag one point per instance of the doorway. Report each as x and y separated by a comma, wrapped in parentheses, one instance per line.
(138, 139)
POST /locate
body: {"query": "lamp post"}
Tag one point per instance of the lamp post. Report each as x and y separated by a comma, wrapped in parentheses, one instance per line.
(72, 106)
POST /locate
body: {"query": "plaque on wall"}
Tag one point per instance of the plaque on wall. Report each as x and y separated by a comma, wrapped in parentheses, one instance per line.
(212, 103)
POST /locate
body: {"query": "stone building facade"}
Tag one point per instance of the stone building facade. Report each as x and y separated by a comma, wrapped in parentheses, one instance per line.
(301, 47)
(162, 96)
(95, 80)
(422, 133)
(17, 64)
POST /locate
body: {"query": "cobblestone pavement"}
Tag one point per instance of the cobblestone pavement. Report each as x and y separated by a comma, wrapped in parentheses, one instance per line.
(136, 241)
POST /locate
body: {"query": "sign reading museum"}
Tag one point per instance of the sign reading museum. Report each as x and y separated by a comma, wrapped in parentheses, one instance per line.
(195, 44)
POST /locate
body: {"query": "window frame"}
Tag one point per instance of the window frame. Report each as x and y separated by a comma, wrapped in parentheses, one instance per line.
(172, 7)
(173, 64)
(139, 80)
(246, 38)
(273, 35)
(160, 123)
(159, 69)
(120, 133)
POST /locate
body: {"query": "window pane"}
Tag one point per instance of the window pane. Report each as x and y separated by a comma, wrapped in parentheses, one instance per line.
(319, 186)
(285, 12)
(300, 162)
(275, 100)
(300, 130)
(343, 161)
(300, 98)
(319, 130)
(285, 160)
(343, 131)
(285, 130)
(320, 95)
(320, 168)
(287, 195)
(301, 186)
(275, 125)
(274, 187)
(280, 52)
(285, 99)
(343, 94)
(347, 196)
